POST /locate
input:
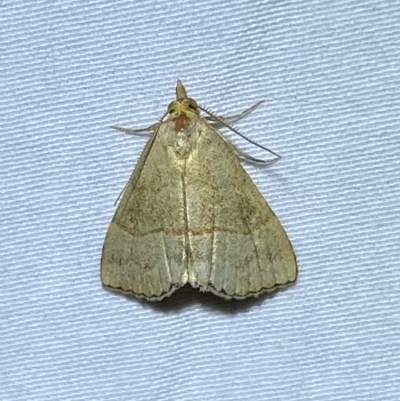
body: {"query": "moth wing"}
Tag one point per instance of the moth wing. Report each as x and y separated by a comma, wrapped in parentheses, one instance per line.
(238, 246)
(144, 252)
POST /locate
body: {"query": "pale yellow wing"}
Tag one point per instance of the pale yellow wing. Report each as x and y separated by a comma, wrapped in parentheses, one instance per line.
(144, 252)
(238, 246)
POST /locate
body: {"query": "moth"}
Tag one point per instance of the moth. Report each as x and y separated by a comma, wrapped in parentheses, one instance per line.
(190, 213)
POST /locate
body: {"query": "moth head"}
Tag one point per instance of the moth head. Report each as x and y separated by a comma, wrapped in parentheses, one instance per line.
(183, 105)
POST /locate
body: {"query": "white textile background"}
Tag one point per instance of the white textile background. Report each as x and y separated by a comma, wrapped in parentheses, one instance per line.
(330, 74)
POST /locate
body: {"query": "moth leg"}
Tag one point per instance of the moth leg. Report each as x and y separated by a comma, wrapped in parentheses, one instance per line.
(140, 131)
(250, 158)
(221, 121)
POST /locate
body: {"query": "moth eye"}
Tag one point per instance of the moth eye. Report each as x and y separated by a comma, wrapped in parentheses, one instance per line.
(171, 107)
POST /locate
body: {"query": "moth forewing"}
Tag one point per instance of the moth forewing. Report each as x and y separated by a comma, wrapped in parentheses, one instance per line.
(191, 213)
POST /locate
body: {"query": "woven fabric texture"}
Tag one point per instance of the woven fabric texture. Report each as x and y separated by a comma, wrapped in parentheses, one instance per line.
(330, 74)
